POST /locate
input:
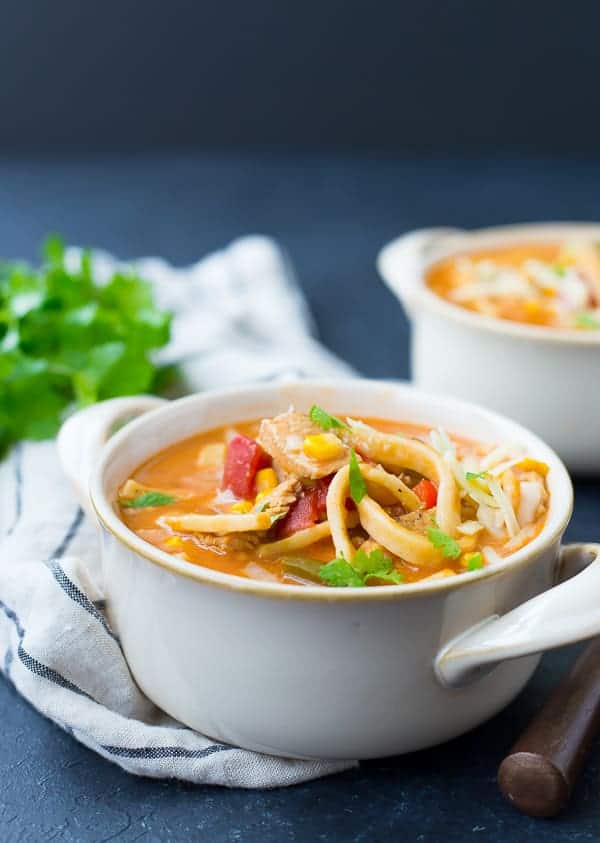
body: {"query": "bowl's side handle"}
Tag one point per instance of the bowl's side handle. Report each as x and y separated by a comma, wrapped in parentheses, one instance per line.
(400, 263)
(562, 615)
(83, 435)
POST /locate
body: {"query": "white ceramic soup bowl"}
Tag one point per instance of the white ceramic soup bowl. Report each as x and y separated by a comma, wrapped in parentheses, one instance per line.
(313, 671)
(545, 378)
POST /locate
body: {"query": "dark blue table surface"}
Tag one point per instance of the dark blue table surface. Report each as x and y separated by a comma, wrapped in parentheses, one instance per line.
(332, 215)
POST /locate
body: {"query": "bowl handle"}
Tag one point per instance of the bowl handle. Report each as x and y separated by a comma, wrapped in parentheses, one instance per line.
(400, 262)
(83, 435)
(562, 615)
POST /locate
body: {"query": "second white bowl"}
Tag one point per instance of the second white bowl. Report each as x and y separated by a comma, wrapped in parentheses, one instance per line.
(546, 379)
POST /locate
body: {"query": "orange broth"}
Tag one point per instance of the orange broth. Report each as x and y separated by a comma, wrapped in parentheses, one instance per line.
(445, 276)
(176, 470)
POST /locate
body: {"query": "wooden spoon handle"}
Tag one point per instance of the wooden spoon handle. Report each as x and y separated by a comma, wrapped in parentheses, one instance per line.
(539, 774)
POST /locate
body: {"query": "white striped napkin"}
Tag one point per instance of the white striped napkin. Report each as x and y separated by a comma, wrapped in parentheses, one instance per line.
(239, 316)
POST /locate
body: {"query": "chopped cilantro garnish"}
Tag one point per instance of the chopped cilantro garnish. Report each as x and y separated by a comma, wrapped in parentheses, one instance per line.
(66, 341)
(343, 574)
(587, 320)
(559, 269)
(475, 562)
(472, 475)
(149, 499)
(450, 547)
(358, 487)
(340, 573)
(325, 420)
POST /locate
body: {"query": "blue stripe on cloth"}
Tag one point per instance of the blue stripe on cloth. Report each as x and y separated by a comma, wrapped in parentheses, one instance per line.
(69, 535)
(49, 673)
(77, 596)
(152, 753)
(32, 664)
(13, 617)
(18, 471)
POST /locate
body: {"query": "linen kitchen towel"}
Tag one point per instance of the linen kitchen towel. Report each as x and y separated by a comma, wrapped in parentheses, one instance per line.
(238, 317)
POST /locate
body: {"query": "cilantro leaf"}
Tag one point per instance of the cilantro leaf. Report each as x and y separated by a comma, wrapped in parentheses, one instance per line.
(149, 499)
(473, 475)
(66, 341)
(324, 419)
(587, 320)
(365, 563)
(442, 541)
(341, 573)
(376, 565)
(358, 486)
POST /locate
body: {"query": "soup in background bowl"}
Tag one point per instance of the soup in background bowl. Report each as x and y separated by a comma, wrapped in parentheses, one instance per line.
(508, 317)
(555, 285)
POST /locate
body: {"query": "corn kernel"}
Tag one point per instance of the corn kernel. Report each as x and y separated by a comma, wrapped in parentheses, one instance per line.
(174, 541)
(242, 507)
(323, 446)
(533, 307)
(529, 464)
(266, 480)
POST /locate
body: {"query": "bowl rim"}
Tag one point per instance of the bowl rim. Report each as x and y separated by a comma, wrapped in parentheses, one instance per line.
(557, 519)
(462, 241)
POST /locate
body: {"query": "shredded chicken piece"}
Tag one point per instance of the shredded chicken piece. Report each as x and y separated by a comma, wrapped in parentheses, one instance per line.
(419, 520)
(282, 497)
(229, 543)
(282, 437)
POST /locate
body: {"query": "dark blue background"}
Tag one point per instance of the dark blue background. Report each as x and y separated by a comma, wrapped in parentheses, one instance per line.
(332, 214)
(399, 75)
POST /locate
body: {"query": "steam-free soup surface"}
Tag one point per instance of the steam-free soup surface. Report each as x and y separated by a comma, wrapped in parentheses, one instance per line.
(308, 498)
(556, 285)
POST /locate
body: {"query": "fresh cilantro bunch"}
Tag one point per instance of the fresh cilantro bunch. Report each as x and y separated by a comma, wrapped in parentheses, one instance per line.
(374, 565)
(66, 341)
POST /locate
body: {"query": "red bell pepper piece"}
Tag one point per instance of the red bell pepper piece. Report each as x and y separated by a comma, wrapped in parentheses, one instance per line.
(321, 490)
(243, 459)
(427, 492)
(308, 510)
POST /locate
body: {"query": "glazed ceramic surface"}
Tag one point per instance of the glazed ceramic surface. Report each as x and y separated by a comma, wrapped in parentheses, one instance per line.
(543, 377)
(313, 671)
